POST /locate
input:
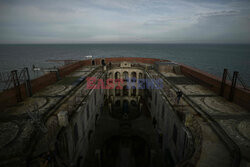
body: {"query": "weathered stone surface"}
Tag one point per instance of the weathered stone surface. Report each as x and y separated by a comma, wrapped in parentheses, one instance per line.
(8, 132)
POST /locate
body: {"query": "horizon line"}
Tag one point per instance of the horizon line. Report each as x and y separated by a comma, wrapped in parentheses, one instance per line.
(114, 43)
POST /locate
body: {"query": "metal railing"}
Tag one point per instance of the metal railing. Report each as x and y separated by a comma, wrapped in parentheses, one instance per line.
(230, 144)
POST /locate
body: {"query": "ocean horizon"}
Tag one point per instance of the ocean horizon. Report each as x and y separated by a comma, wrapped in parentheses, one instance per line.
(211, 58)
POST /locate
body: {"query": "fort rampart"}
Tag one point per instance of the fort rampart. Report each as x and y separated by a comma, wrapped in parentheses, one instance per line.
(241, 96)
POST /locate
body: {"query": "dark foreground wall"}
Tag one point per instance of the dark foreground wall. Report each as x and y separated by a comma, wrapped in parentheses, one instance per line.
(241, 96)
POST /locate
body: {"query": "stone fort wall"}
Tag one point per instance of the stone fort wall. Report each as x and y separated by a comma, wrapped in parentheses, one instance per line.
(8, 97)
(241, 96)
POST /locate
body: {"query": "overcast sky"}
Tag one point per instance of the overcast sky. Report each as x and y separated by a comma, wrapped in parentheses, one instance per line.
(124, 21)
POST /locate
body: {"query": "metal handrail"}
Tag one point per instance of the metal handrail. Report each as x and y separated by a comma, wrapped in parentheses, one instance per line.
(242, 82)
(231, 145)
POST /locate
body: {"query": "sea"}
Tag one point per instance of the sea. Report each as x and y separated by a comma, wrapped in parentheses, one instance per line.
(211, 58)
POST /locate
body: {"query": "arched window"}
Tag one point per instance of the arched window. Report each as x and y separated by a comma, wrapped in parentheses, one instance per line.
(93, 62)
(125, 106)
(125, 76)
(103, 62)
(140, 75)
(117, 75)
(133, 75)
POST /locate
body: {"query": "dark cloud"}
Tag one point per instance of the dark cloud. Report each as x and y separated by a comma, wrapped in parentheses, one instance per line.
(119, 20)
(219, 13)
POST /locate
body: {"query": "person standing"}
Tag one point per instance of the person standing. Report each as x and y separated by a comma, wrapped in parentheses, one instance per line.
(179, 95)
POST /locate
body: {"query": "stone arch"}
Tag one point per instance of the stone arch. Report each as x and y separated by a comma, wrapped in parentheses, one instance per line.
(125, 107)
(117, 75)
(133, 76)
(140, 75)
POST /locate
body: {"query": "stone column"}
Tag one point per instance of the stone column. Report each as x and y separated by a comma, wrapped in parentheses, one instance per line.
(121, 76)
(129, 80)
(138, 99)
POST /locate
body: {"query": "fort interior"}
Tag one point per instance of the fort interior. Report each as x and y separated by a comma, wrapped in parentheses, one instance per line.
(133, 124)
